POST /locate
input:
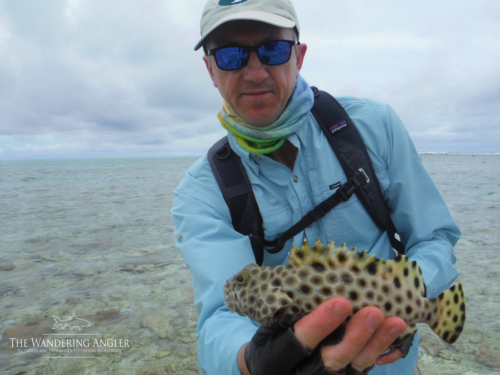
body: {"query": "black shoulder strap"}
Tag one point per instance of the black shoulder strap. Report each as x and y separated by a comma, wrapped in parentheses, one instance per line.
(238, 194)
(351, 152)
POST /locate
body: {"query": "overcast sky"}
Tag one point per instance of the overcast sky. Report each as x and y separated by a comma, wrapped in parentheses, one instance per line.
(108, 78)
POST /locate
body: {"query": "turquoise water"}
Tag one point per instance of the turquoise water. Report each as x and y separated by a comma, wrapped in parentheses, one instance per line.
(94, 237)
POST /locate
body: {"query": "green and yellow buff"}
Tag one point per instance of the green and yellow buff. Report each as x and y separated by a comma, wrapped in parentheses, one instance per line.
(263, 140)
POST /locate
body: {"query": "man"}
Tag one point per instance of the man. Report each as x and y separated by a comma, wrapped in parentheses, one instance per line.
(291, 167)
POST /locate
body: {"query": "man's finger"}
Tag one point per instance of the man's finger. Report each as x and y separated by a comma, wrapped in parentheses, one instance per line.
(359, 330)
(323, 320)
(389, 331)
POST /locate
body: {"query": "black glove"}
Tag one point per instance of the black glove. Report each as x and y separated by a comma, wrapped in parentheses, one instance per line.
(276, 351)
(404, 346)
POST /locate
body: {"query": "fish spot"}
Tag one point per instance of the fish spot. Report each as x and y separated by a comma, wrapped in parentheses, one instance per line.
(453, 339)
(303, 273)
(270, 299)
(446, 335)
(353, 295)
(331, 264)
(264, 275)
(354, 311)
(288, 267)
(284, 274)
(276, 282)
(423, 315)
(455, 318)
(318, 299)
(435, 310)
(341, 257)
(429, 316)
(419, 302)
(251, 311)
(448, 313)
(398, 259)
(295, 309)
(326, 291)
(458, 329)
(417, 282)
(265, 310)
(251, 299)
(369, 295)
(305, 289)
(434, 325)
(406, 272)
(254, 271)
(318, 266)
(316, 280)
(255, 291)
(441, 296)
(399, 312)
(426, 305)
(374, 284)
(409, 294)
(346, 278)
(252, 284)
(308, 306)
(259, 314)
(398, 299)
(360, 255)
(300, 254)
(462, 318)
(462, 307)
(279, 269)
(271, 275)
(260, 303)
(372, 268)
(283, 302)
(264, 287)
(408, 310)
(290, 294)
(388, 306)
(397, 283)
(414, 264)
(460, 287)
(452, 288)
(455, 298)
(340, 289)
(380, 298)
(331, 278)
(361, 282)
(355, 269)
(386, 289)
(243, 293)
(291, 280)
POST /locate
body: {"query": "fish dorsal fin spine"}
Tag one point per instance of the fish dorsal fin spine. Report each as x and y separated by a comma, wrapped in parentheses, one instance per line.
(399, 270)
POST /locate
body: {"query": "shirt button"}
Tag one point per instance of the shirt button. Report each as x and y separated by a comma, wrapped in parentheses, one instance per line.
(258, 157)
(295, 179)
(180, 238)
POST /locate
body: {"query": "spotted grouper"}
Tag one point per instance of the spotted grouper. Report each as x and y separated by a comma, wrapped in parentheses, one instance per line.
(284, 294)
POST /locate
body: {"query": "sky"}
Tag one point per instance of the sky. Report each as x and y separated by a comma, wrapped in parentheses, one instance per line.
(120, 78)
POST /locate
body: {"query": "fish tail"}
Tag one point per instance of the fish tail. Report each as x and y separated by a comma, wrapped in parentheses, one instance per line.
(451, 314)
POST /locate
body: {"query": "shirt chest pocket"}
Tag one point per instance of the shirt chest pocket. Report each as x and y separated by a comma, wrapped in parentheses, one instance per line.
(276, 222)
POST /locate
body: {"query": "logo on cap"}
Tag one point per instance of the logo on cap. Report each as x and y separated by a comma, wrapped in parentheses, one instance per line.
(230, 2)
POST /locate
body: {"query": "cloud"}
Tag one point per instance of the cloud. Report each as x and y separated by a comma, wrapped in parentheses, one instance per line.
(80, 78)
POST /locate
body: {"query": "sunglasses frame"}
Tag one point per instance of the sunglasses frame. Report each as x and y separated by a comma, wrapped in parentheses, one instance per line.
(255, 49)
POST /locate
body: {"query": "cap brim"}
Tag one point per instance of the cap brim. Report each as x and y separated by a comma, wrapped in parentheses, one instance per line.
(269, 18)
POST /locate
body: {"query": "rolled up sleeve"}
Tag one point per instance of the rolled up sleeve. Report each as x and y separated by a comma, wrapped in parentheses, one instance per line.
(214, 252)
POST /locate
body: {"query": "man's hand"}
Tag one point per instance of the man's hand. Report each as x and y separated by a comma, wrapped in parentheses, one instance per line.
(368, 335)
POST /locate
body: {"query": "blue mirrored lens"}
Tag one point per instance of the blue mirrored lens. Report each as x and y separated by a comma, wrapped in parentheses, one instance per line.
(274, 53)
(231, 58)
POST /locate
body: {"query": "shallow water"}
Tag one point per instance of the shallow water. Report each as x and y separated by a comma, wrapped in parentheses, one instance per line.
(94, 237)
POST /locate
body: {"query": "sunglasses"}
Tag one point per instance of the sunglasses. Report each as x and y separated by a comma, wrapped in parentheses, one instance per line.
(270, 53)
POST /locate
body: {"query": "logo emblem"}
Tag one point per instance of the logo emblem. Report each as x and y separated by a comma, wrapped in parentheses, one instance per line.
(341, 125)
(230, 2)
(72, 322)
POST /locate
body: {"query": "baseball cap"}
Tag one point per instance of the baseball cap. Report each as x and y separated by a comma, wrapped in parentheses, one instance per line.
(280, 13)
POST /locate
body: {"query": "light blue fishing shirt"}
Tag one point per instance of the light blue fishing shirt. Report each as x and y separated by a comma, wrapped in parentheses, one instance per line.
(214, 251)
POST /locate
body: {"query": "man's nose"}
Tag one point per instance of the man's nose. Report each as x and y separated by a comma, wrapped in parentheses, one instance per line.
(255, 71)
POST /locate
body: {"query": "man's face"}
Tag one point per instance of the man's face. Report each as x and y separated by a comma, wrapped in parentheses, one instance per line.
(257, 93)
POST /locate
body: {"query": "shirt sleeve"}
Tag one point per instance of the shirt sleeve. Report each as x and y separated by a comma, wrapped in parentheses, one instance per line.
(421, 217)
(214, 252)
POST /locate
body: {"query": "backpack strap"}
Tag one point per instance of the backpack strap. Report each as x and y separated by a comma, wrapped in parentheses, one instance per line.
(237, 191)
(351, 152)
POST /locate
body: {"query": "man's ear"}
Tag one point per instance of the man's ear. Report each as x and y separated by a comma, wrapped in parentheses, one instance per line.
(301, 52)
(209, 68)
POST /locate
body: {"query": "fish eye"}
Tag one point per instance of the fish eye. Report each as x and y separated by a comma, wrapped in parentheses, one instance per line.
(239, 278)
(242, 278)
